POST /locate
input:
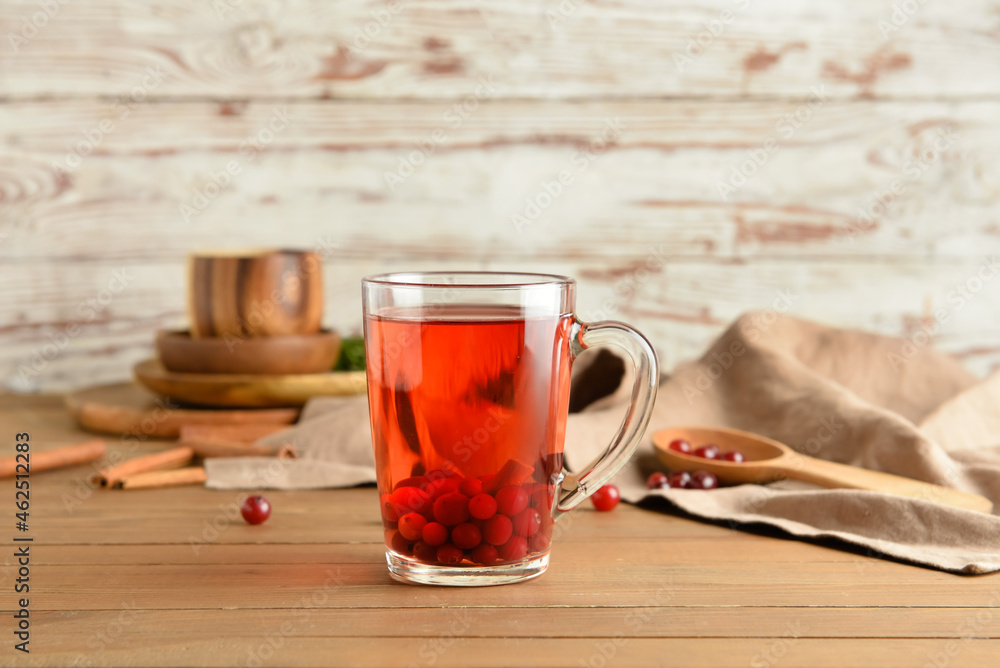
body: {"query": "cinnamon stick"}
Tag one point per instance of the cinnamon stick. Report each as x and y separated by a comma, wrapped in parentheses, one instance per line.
(169, 459)
(236, 449)
(511, 473)
(157, 479)
(242, 433)
(49, 460)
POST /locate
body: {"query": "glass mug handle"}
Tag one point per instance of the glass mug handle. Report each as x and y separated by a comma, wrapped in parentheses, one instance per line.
(577, 487)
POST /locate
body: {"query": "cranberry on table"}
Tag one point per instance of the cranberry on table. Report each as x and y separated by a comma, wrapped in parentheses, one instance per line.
(707, 452)
(680, 445)
(703, 480)
(732, 456)
(680, 480)
(658, 480)
(255, 509)
(606, 498)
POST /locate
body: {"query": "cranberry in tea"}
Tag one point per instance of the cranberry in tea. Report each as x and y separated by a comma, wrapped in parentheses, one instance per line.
(468, 416)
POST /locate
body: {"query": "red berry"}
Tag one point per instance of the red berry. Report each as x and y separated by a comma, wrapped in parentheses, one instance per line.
(449, 554)
(411, 525)
(540, 541)
(471, 487)
(498, 530)
(388, 510)
(485, 554)
(680, 445)
(511, 500)
(732, 456)
(410, 500)
(680, 480)
(415, 481)
(399, 544)
(707, 452)
(441, 474)
(541, 498)
(441, 486)
(451, 508)
(435, 534)
(703, 480)
(606, 498)
(658, 481)
(482, 506)
(514, 549)
(255, 509)
(424, 552)
(526, 522)
(466, 536)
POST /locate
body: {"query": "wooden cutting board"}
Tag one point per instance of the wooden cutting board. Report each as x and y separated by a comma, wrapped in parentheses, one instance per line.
(128, 409)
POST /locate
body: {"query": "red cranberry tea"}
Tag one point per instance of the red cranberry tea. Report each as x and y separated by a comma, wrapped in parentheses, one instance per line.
(468, 390)
(468, 410)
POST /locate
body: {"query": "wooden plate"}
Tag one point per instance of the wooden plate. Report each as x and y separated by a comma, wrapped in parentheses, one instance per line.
(247, 391)
(126, 409)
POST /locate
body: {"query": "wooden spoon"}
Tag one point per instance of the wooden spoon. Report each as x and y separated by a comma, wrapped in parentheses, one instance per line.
(768, 460)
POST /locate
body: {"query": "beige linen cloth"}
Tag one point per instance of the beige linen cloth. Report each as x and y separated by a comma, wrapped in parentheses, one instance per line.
(878, 402)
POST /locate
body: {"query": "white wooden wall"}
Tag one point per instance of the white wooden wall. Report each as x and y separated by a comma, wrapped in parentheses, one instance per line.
(114, 115)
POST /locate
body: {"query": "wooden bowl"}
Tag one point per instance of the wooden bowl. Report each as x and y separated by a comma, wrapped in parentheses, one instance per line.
(265, 355)
(255, 293)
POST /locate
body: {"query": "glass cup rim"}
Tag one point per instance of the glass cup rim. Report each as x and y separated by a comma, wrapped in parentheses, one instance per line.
(516, 280)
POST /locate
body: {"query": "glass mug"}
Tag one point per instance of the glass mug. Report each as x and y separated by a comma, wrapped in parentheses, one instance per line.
(468, 394)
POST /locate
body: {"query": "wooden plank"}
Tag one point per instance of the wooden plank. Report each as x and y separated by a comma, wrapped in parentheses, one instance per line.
(153, 627)
(658, 186)
(711, 547)
(681, 308)
(658, 189)
(438, 50)
(456, 649)
(572, 577)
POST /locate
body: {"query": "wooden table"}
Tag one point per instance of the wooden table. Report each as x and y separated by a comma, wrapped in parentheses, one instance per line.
(167, 577)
